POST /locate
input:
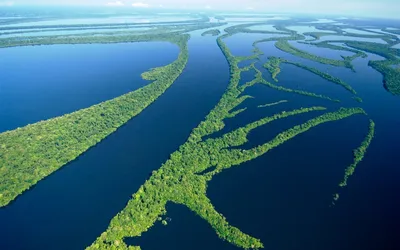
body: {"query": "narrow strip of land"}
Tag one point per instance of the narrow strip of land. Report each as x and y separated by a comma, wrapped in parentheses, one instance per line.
(33, 152)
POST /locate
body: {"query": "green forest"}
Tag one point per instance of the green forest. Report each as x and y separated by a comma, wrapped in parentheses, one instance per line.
(30, 153)
(391, 75)
(182, 180)
(33, 152)
(213, 32)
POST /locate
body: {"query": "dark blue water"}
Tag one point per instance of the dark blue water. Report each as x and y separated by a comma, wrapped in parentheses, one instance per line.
(245, 63)
(73, 206)
(302, 79)
(247, 76)
(38, 83)
(185, 230)
(284, 197)
(241, 44)
(270, 50)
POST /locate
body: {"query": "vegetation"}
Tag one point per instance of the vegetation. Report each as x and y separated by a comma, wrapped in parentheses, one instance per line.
(338, 31)
(325, 76)
(272, 104)
(393, 31)
(358, 99)
(260, 79)
(103, 25)
(359, 154)
(183, 178)
(213, 32)
(300, 92)
(31, 153)
(317, 35)
(391, 76)
(327, 45)
(244, 28)
(127, 27)
(292, 37)
(273, 66)
(286, 47)
(162, 34)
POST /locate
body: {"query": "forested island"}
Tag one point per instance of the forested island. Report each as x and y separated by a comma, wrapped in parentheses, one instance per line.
(33, 152)
(391, 75)
(273, 66)
(213, 32)
(183, 178)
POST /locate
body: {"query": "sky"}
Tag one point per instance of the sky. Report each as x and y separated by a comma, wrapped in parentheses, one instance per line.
(381, 8)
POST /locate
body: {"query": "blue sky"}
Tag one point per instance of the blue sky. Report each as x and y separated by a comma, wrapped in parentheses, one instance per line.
(383, 8)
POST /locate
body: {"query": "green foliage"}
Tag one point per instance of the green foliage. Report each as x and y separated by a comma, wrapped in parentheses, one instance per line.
(358, 99)
(33, 152)
(200, 21)
(259, 79)
(159, 34)
(300, 92)
(286, 47)
(359, 154)
(327, 45)
(391, 76)
(317, 35)
(183, 178)
(244, 28)
(273, 66)
(325, 76)
(213, 32)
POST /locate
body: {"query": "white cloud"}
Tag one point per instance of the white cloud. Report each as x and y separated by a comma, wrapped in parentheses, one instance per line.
(208, 7)
(8, 3)
(140, 5)
(249, 8)
(115, 3)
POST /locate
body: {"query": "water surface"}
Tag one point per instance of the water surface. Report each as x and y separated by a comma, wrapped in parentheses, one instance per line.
(43, 82)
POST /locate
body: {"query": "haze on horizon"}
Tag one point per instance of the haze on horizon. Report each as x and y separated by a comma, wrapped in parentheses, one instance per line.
(362, 8)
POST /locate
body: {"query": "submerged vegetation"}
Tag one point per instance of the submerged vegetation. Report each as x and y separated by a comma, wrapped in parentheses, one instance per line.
(31, 153)
(183, 178)
(272, 104)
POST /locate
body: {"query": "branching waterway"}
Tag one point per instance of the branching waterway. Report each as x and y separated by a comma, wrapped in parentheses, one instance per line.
(275, 134)
(107, 175)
